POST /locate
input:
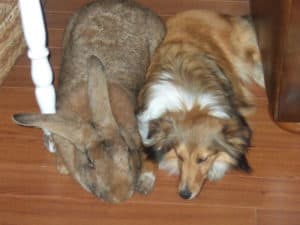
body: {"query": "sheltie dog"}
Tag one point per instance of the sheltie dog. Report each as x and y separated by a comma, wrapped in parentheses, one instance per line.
(192, 107)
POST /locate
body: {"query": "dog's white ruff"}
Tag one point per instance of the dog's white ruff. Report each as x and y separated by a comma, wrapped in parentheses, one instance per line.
(166, 96)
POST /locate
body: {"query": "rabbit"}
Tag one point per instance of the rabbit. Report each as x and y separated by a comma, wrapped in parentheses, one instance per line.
(107, 48)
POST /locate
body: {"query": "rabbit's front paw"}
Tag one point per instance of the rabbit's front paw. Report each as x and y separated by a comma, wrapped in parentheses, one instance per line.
(60, 166)
(145, 183)
(62, 169)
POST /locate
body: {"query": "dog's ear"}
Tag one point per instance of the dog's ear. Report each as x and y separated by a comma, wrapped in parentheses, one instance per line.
(243, 165)
(159, 127)
(161, 134)
(235, 141)
(237, 134)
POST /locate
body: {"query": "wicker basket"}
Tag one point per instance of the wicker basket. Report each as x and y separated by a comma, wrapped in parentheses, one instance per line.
(12, 42)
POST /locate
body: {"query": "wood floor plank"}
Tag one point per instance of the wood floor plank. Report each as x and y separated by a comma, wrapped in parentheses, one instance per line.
(42, 180)
(9, 129)
(266, 134)
(23, 150)
(17, 99)
(166, 7)
(56, 37)
(68, 211)
(19, 76)
(278, 217)
(233, 191)
(171, 7)
(275, 162)
(273, 136)
(23, 60)
(57, 20)
(32, 166)
(38, 177)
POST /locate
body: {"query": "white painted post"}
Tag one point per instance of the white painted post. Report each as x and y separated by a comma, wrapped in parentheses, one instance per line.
(41, 72)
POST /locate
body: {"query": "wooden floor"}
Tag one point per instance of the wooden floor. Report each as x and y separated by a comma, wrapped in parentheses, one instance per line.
(33, 193)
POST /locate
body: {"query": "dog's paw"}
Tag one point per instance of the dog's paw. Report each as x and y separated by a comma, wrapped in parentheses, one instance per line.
(146, 183)
(218, 171)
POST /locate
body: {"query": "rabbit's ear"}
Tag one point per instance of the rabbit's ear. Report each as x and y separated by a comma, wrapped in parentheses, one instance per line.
(81, 135)
(99, 100)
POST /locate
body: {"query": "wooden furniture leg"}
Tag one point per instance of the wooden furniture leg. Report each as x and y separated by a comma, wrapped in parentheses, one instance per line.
(277, 24)
(41, 72)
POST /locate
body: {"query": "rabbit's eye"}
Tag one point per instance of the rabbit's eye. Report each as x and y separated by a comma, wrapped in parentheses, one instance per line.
(107, 144)
(91, 163)
(93, 125)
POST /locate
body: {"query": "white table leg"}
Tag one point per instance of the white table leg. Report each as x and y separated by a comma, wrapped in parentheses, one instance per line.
(41, 72)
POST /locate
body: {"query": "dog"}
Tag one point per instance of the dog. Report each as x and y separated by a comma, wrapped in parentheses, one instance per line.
(193, 106)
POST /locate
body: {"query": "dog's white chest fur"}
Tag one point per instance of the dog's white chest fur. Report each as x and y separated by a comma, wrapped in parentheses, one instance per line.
(166, 96)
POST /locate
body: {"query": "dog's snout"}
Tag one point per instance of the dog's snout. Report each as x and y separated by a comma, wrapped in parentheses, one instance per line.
(185, 193)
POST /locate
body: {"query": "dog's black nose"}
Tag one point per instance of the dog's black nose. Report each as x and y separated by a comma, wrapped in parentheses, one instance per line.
(185, 193)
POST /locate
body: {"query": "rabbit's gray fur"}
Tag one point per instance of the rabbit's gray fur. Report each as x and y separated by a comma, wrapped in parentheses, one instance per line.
(106, 50)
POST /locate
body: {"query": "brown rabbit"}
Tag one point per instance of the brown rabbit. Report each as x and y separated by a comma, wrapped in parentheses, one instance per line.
(106, 50)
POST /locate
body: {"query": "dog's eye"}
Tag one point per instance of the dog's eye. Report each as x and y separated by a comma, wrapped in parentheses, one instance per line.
(201, 160)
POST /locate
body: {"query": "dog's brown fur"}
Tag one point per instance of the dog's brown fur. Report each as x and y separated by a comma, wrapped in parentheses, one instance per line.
(203, 54)
(106, 50)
